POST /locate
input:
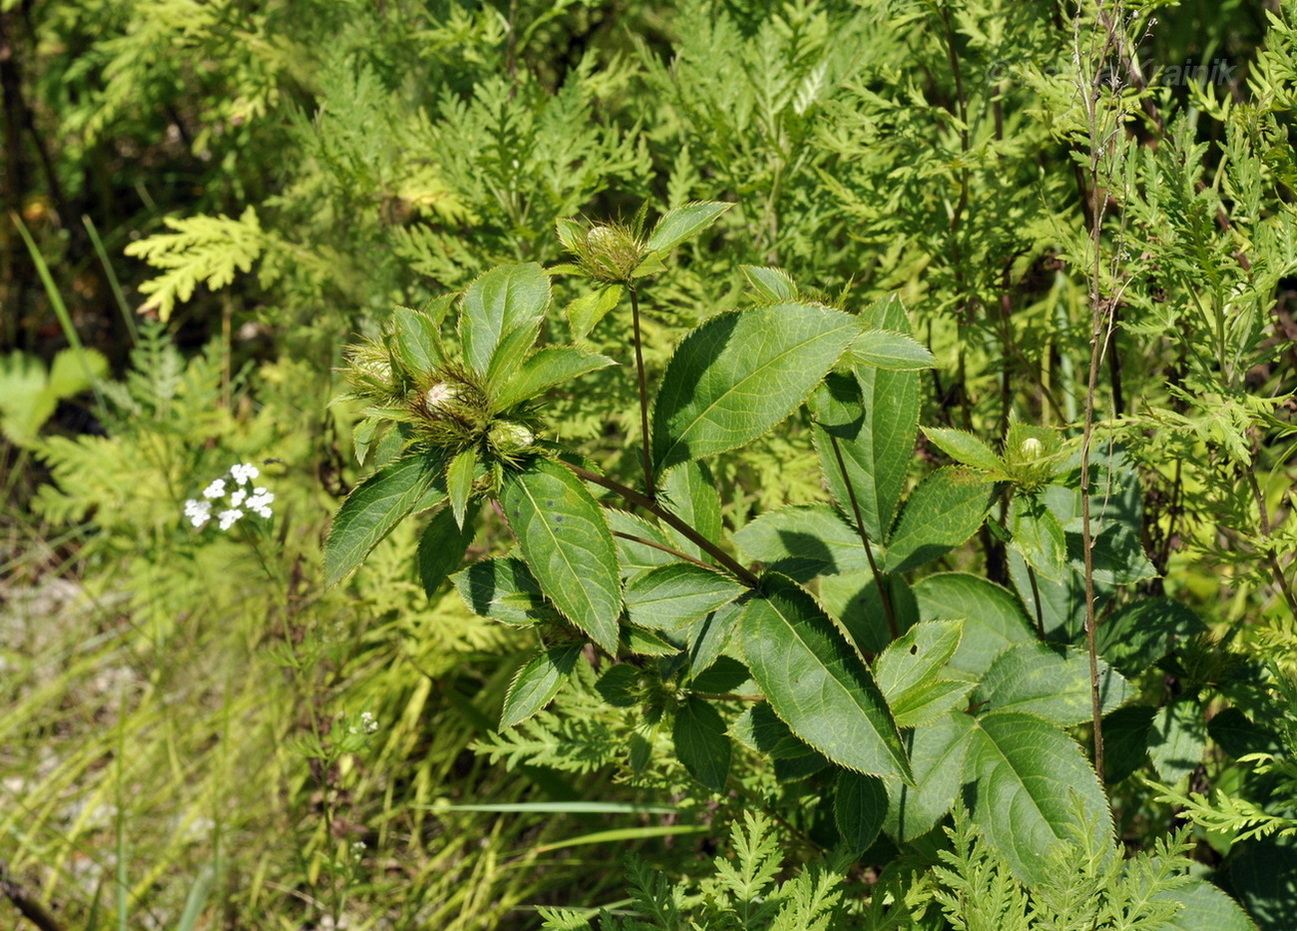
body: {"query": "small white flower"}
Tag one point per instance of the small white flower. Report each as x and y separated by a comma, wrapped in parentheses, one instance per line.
(227, 518)
(244, 472)
(236, 499)
(215, 489)
(198, 512)
(368, 722)
(260, 502)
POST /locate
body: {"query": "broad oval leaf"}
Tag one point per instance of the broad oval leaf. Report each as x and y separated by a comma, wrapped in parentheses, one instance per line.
(679, 224)
(441, 548)
(1204, 905)
(1038, 536)
(418, 340)
(943, 511)
(377, 505)
(502, 300)
(1029, 780)
(1141, 633)
(964, 448)
(993, 617)
(459, 482)
(504, 590)
(537, 683)
(859, 807)
(636, 537)
(740, 373)
(584, 313)
(909, 673)
(566, 541)
(546, 369)
(1036, 679)
(896, 352)
(874, 418)
(803, 542)
(671, 598)
(937, 754)
(817, 683)
(701, 743)
(773, 285)
(689, 490)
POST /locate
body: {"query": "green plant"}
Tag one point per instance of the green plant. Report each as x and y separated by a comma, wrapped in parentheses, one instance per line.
(892, 722)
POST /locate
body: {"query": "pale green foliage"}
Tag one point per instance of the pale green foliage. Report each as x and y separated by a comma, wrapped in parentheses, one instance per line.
(742, 894)
(202, 250)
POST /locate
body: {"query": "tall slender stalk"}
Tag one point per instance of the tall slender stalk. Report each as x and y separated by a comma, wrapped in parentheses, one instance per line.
(642, 381)
(880, 582)
(1100, 310)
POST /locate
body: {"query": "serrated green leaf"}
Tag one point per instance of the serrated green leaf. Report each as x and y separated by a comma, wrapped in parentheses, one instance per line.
(537, 683)
(546, 369)
(1036, 679)
(1029, 779)
(636, 557)
(510, 354)
(459, 482)
(853, 599)
(701, 743)
(377, 505)
(1141, 633)
(418, 340)
(709, 635)
(741, 373)
(943, 511)
(803, 542)
(1207, 906)
(993, 617)
(1126, 734)
(671, 598)
(1178, 740)
(566, 542)
(859, 807)
(679, 224)
(648, 642)
(441, 548)
(964, 448)
(504, 300)
(584, 313)
(873, 414)
(908, 673)
(504, 590)
(1038, 536)
(895, 352)
(689, 492)
(817, 683)
(362, 437)
(760, 729)
(773, 285)
(937, 752)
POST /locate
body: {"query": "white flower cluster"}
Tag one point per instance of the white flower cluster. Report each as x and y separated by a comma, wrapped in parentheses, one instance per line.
(238, 501)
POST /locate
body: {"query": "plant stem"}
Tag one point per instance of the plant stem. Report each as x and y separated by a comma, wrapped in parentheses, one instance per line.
(883, 594)
(1099, 309)
(1035, 597)
(657, 510)
(643, 395)
(1280, 580)
(663, 547)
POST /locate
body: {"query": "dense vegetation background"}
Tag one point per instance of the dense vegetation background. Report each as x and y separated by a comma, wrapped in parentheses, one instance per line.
(207, 202)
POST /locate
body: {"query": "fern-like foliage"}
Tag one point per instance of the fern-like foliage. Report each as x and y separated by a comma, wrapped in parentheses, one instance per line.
(202, 250)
